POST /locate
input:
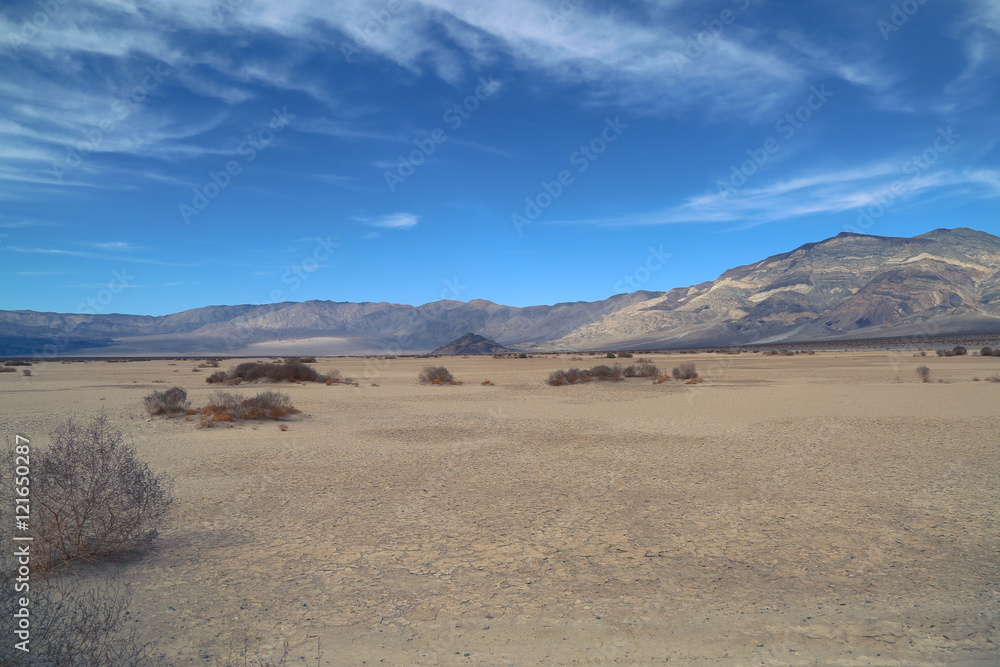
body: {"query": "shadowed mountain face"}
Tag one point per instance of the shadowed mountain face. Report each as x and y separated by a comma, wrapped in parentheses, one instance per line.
(471, 343)
(850, 286)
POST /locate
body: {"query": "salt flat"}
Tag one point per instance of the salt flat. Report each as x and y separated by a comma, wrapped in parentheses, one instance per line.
(822, 509)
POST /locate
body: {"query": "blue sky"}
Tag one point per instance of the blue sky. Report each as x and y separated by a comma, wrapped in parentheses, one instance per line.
(169, 154)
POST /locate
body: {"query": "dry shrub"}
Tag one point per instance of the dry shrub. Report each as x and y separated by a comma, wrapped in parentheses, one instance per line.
(436, 375)
(209, 363)
(487, 383)
(993, 378)
(73, 623)
(600, 373)
(91, 497)
(253, 371)
(26, 373)
(169, 402)
(227, 406)
(603, 372)
(17, 362)
(6, 369)
(642, 370)
(694, 381)
(924, 373)
(685, 372)
(986, 351)
(662, 379)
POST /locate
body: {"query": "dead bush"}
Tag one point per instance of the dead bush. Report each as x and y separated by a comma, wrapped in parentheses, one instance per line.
(74, 624)
(92, 498)
(924, 373)
(253, 371)
(994, 378)
(685, 372)
(17, 362)
(26, 373)
(7, 369)
(169, 402)
(604, 373)
(646, 370)
(986, 351)
(436, 375)
(600, 373)
(226, 406)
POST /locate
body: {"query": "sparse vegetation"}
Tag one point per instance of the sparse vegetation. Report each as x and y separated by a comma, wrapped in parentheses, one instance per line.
(924, 373)
(605, 373)
(26, 373)
(436, 375)
(6, 369)
(986, 351)
(91, 497)
(226, 406)
(685, 372)
(642, 370)
(17, 362)
(252, 371)
(170, 402)
(209, 363)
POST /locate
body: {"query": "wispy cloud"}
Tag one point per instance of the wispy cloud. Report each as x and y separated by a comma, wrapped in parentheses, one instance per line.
(396, 221)
(822, 193)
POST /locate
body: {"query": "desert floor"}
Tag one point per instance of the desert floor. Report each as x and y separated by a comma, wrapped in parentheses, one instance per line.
(826, 509)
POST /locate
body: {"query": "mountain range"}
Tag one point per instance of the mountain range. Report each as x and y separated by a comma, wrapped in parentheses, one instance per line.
(851, 286)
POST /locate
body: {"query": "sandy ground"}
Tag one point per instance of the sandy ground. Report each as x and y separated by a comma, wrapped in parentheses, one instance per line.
(825, 509)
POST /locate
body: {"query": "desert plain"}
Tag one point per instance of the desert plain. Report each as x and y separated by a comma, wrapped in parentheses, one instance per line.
(826, 509)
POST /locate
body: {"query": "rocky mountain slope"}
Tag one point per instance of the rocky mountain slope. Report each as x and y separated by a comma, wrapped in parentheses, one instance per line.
(849, 286)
